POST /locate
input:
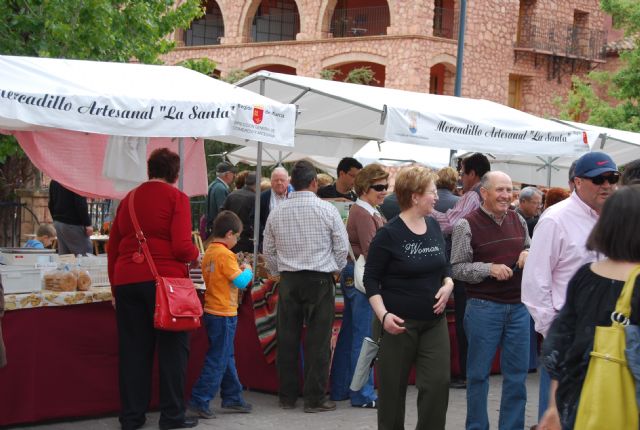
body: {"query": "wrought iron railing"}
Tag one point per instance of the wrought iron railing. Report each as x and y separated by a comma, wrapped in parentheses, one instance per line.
(445, 23)
(562, 39)
(363, 21)
(276, 27)
(98, 212)
(10, 223)
(206, 31)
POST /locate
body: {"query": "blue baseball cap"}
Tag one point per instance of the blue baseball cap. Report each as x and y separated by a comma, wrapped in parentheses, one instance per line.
(593, 164)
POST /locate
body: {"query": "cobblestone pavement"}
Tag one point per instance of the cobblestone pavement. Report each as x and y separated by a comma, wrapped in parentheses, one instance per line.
(266, 414)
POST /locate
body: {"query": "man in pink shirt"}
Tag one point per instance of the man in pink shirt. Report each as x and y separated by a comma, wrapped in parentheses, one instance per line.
(558, 245)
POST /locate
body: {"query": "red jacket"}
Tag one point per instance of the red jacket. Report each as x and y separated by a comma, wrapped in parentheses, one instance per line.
(164, 215)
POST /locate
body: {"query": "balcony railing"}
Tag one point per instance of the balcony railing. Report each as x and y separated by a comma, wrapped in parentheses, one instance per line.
(445, 23)
(357, 22)
(206, 31)
(273, 28)
(561, 39)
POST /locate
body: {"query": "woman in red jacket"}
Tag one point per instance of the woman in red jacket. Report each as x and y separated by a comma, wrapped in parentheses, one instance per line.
(164, 215)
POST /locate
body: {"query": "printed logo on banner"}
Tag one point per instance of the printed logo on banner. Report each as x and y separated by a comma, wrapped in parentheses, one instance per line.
(258, 114)
(413, 121)
(584, 138)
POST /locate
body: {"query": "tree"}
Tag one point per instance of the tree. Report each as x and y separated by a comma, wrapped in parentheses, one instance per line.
(611, 99)
(102, 30)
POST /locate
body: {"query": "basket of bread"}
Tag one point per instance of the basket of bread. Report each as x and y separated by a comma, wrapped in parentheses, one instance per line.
(66, 279)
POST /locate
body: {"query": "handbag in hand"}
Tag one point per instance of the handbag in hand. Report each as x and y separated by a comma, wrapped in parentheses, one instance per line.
(608, 396)
(178, 307)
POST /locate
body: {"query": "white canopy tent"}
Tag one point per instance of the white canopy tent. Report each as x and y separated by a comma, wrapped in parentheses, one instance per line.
(622, 146)
(39, 95)
(386, 153)
(335, 112)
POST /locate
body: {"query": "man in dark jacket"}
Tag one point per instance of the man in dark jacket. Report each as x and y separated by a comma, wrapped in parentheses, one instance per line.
(242, 203)
(71, 220)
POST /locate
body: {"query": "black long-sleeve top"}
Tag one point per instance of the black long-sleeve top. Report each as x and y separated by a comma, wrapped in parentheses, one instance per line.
(68, 207)
(407, 269)
(590, 300)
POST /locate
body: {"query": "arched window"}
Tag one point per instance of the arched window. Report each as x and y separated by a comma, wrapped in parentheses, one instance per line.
(207, 30)
(275, 20)
(353, 18)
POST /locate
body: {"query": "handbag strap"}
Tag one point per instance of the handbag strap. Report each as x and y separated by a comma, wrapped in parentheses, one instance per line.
(351, 254)
(623, 305)
(142, 241)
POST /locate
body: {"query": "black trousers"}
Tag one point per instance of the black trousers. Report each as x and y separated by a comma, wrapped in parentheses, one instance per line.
(460, 301)
(138, 339)
(309, 297)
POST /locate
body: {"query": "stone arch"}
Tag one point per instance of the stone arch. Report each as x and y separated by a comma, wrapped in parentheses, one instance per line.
(352, 57)
(246, 18)
(442, 73)
(327, 8)
(269, 59)
(447, 59)
(208, 29)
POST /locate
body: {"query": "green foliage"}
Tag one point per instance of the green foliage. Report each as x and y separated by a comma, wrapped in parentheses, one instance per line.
(202, 65)
(611, 99)
(328, 74)
(102, 30)
(361, 75)
(235, 75)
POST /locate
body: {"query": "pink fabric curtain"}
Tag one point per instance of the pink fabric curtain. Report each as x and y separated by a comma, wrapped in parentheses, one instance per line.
(75, 159)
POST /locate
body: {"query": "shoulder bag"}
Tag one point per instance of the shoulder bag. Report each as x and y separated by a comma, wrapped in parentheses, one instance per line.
(177, 305)
(608, 396)
(358, 270)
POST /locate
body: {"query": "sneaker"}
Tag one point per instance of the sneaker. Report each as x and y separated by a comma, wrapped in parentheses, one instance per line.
(206, 414)
(326, 406)
(244, 407)
(188, 422)
(373, 404)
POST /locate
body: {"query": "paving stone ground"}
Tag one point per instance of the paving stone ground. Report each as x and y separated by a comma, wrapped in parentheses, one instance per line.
(267, 415)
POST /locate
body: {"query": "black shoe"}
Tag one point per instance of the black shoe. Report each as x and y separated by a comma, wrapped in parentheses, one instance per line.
(285, 404)
(243, 407)
(326, 406)
(458, 383)
(186, 423)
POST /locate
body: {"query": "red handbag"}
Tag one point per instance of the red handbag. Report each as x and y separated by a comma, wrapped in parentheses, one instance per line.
(177, 305)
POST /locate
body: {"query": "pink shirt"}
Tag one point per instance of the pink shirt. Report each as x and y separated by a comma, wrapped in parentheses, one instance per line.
(557, 251)
(469, 202)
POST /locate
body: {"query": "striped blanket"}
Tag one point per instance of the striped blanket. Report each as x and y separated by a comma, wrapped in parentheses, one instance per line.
(265, 303)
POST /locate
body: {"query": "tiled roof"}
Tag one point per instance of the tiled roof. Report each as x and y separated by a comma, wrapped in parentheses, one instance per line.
(624, 44)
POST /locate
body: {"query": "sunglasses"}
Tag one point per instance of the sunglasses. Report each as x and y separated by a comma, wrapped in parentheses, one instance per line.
(379, 187)
(599, 180)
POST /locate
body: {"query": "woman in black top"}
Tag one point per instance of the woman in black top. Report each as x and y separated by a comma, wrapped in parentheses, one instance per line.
(408, 282)
(591, 297)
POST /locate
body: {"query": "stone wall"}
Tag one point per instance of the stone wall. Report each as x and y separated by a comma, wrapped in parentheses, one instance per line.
(409, 49)
(36, 202)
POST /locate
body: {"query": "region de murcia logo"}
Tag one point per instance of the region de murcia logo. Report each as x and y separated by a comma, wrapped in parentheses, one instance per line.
(584, 138)
(258, 114)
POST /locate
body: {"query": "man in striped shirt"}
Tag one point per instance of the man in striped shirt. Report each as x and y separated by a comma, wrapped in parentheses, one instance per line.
(305, 241)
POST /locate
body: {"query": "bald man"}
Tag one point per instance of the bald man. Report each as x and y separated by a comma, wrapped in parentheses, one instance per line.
(490, 246)
(271, 198)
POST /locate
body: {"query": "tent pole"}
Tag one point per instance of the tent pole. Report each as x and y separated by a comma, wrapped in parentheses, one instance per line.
(256, 214)
(181, 155)
(549, 161)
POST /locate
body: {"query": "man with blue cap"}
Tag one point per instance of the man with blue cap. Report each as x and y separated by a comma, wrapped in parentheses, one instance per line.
(558, 248)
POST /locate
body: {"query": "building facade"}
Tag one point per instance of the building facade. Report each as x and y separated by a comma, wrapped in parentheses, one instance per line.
(521, 53)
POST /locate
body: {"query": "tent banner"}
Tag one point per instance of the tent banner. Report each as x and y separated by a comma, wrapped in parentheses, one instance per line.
(149, 117)
(501, 135)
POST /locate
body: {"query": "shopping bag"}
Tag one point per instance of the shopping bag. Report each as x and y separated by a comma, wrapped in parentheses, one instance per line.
(366, 359)
(608, 396)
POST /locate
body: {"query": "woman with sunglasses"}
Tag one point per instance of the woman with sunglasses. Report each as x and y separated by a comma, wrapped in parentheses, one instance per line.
(364, 220)
(408, 281)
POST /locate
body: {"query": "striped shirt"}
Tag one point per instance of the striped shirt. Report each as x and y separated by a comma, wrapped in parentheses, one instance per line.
(305, 233)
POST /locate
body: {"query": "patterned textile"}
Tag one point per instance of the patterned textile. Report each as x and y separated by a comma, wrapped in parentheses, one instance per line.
(56, 298)
(265, 305)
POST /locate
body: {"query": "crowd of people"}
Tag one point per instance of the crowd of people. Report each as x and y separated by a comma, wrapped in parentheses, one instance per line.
(511, 260)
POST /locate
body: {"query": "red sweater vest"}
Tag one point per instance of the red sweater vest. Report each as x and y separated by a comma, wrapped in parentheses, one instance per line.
(500, 244)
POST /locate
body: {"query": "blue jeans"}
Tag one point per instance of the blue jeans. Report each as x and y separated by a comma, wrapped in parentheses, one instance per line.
(219, 370)
(545, 386)
(356, 325)
(490, 325)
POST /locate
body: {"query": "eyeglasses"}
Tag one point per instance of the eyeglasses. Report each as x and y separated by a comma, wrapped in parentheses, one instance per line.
(599, 180)
(379, 187)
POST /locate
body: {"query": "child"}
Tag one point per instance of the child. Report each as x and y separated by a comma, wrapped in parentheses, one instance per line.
(223, 277)
(44, 237)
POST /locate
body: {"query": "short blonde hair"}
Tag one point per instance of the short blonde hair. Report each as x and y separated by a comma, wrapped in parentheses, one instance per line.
(367, 176)
(46, 230)
(412, 180)
(447, 178)
(324, 180)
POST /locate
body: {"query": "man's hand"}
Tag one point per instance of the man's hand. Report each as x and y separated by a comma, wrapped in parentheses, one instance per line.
(501, 272)
(522, 258)
(550, 420)
(88, 230)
